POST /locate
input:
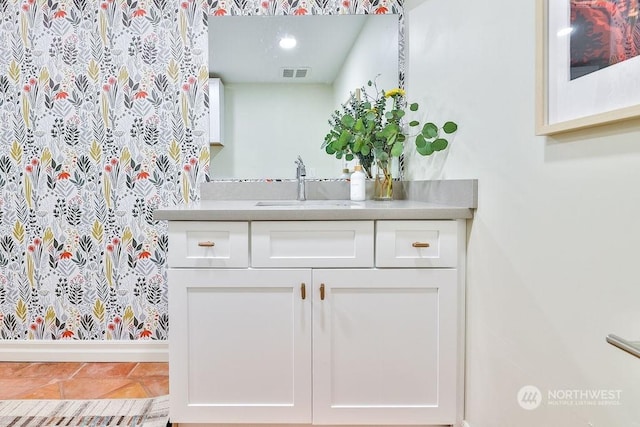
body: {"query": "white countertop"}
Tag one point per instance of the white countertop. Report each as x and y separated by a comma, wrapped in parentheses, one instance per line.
(288, 210)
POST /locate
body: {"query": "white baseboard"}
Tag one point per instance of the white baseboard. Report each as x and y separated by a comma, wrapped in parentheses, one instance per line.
(84, 351)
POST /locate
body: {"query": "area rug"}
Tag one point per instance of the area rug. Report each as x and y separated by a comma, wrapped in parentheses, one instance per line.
(87, 413)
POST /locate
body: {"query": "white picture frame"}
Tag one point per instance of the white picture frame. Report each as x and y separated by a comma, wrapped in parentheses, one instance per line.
(605, 96)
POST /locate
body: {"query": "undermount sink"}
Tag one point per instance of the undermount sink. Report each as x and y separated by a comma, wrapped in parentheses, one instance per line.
(306, 203)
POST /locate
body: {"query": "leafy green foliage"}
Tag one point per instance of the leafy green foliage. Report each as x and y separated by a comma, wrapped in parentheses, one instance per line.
(450, 127)
(374, 128)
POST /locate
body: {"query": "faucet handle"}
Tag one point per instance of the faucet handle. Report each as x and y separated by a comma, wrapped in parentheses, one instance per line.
(302, 170)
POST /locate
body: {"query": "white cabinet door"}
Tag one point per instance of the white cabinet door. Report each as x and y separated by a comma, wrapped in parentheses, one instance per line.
(240, 346)
(385, 346)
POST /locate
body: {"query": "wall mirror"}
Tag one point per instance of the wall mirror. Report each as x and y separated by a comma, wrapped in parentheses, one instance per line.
(277, 101)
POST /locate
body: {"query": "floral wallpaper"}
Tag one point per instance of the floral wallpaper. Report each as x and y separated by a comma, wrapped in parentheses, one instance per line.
(103, 118)
(103, 112)
(303, 7)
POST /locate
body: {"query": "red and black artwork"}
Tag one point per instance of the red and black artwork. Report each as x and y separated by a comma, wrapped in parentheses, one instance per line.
(604, 33)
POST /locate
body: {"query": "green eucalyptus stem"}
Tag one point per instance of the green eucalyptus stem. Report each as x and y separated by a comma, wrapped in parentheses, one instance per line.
(383, 185)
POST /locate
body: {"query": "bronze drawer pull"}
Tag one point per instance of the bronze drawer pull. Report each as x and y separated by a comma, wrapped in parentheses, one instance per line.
(206, 244)
(322, 291)
(420, 245)
(303, 291)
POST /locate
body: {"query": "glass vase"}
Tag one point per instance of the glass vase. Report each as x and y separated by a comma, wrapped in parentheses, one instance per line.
(383, 183)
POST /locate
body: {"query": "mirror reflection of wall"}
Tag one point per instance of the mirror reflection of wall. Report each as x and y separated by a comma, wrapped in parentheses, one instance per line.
(270, 119)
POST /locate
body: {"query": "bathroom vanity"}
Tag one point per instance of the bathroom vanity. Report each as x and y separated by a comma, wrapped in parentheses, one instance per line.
(324, 312)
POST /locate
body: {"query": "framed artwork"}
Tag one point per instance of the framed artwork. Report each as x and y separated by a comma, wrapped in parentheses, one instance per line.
(588, 63)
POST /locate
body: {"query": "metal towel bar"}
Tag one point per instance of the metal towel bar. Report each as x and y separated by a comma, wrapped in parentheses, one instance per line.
(631, 347)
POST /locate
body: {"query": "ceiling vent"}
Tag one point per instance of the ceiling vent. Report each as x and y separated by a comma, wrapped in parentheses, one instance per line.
(295, 73)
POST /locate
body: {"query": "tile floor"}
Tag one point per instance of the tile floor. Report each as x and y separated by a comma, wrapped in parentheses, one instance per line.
(71, 380)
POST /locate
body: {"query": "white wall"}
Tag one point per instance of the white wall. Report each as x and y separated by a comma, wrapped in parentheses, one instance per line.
(375, 51)
(553, 249)
(251, 136)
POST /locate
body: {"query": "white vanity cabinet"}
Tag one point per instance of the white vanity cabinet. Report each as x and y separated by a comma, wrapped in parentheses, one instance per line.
(316, 322)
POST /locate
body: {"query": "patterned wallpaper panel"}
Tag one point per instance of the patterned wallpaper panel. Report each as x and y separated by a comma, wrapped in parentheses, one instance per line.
(303, 7)
(103, 118)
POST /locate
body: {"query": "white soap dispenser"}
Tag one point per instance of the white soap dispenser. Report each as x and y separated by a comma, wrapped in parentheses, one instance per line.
(357, 185)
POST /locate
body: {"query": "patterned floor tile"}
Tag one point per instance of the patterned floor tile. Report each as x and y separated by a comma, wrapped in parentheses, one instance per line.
(59, 370)
(51, 391)
(72, 380)
(11, 388)
(156, 386)
(150, 370)
(105, 370)
(91, 388)
(130, 391)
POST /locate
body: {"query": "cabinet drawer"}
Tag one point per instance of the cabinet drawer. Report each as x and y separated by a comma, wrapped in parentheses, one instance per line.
(312, 244)
(208, 244)
(416, 244)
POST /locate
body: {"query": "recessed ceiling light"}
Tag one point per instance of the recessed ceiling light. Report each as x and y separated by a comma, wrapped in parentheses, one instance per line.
(288, 42)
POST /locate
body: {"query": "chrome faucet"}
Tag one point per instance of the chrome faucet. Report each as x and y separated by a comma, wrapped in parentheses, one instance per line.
(301, 173)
